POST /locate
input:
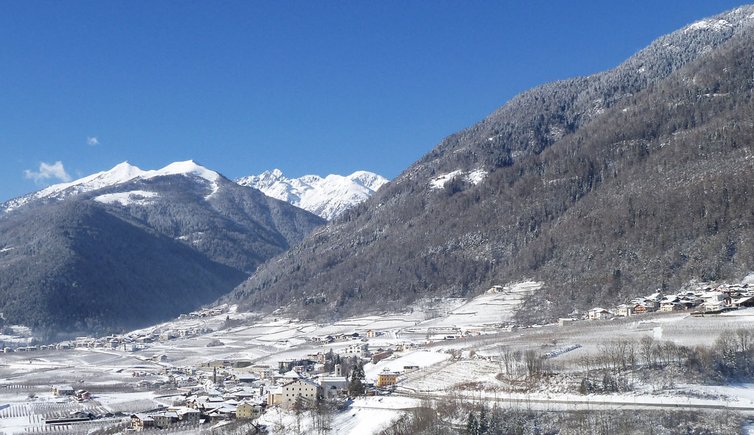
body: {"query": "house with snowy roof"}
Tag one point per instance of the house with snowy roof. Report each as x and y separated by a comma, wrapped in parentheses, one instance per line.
(63, 390)
(299, 391)
(141, 421)
(624, 310)
(333, 386)
(598, 313)
(248, 410)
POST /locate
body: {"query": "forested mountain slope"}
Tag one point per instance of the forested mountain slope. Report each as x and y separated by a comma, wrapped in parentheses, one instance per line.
(603, 187)
(126, 247)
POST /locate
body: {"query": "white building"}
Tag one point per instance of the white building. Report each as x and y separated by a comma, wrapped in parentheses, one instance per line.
(302, 391)
(598, 314)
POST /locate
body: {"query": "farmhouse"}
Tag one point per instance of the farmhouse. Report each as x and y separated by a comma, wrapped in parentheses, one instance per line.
(299, 391)
(625, 310)
(141, 421)
(645, 307)
(274, 396)
(379, 356)
(302, 391)
(248, 410)
(598, 314)
(386, 379)
(63, 390)
(671, 304)
(188, 415)
(715, 300)
(164, 419)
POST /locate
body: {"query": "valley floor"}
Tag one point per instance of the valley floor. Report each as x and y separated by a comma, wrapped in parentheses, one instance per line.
(455, 352)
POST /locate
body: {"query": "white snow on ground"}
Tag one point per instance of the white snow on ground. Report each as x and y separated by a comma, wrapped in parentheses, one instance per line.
(490, 308)
(738, 394)
(134, 197)
(474, 177)
(715, 25)
(397, 362)
(565, 401)
(467, 364)
(439, 181)
(365, 416)
(450, 374)
(370, 415)
(8, 248)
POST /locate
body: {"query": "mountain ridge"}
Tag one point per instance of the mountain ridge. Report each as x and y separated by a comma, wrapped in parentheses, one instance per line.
(127, 247)
(121, 173)
(574, 157)
(326, 197)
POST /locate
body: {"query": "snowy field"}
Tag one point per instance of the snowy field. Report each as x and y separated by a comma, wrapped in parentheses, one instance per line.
(443, 346)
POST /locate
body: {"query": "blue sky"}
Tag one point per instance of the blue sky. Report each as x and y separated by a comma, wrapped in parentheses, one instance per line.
(308, 87)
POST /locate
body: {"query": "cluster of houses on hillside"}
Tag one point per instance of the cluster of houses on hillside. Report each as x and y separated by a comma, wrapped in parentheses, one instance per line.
(238, 389)
(228, 390)
(235, 390)
(223, 390)
(127, 343)
(703, 299)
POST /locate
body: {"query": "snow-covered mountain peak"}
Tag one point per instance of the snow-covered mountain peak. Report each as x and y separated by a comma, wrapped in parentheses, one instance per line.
(265, 179)
(327, 197)
(188, 167)
(119, 174)
(125, 168)
(368, 179)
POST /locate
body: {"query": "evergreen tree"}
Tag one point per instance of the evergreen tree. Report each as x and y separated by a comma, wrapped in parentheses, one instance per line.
(472, 426)
(494, 421)
(483, 424)
(356, 384)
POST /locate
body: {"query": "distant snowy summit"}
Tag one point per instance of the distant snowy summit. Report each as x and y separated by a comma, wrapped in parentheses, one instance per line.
(326, 197)
(120, 174)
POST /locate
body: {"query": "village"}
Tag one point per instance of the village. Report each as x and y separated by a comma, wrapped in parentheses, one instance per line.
(703, 299)
(216, 392)
(217, 368)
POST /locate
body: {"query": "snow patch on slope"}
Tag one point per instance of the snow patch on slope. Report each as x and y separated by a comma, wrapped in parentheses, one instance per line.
(326, 197)
(716, 25)
(474, 177)
(498, 305)
(439, 182)
(134, 197)
(420, 358)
